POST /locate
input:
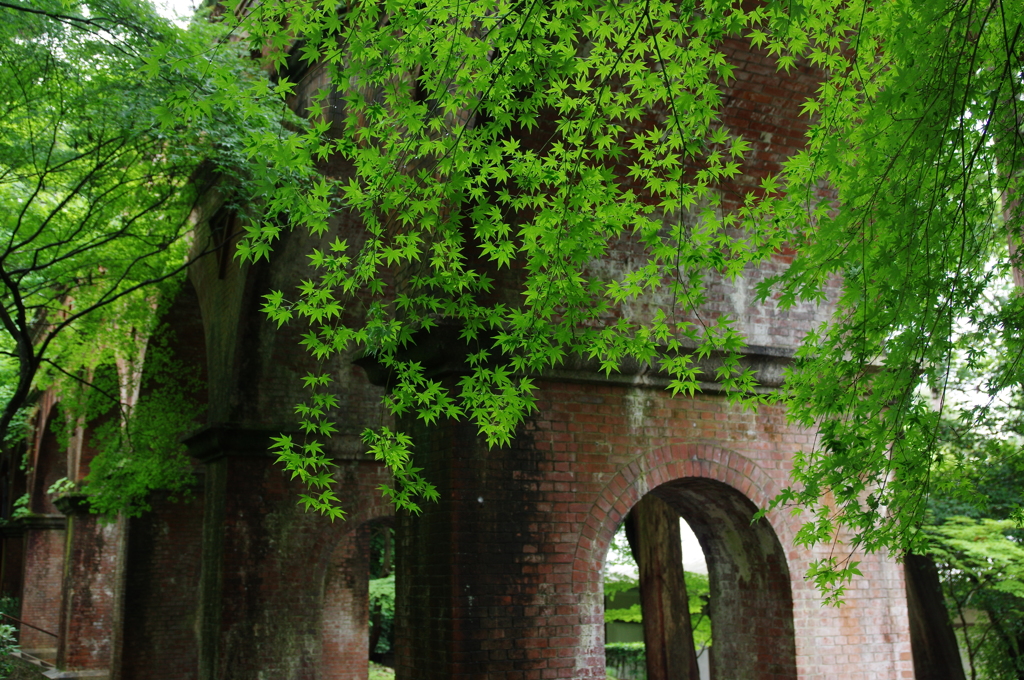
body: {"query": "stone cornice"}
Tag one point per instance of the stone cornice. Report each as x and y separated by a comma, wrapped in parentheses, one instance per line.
(16, 527)
(213, 442)
(442, 353)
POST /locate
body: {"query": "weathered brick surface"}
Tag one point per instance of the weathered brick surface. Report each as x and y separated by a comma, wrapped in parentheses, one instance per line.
(507, 566)
(267, 564)
(161, 602)
(90, 593)
(41, 593)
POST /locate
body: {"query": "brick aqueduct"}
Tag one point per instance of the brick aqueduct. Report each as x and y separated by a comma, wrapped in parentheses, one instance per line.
(502, 577)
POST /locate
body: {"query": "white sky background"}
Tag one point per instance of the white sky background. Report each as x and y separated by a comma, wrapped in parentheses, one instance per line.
(178, 11)
(693, 555)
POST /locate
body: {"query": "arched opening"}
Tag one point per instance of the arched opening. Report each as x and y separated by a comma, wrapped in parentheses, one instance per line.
(750, 604)
(382, 599)
(359, 604)
(163, 555)
(624, 627)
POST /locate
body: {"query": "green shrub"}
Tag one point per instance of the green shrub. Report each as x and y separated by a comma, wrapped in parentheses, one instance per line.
(11, 606)
(378, 672)
(625, 659)
(382, 604)
(8, 645)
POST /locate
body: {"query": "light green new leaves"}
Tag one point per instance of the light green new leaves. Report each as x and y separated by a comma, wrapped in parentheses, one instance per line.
(393, 448)
(501, 152)
(531, 141)
(913, 138)
(986, 551)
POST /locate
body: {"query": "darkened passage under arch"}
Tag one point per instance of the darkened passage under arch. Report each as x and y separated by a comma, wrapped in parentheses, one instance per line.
(751, 597)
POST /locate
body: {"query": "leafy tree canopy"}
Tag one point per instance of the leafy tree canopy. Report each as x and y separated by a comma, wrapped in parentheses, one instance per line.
(98, 181)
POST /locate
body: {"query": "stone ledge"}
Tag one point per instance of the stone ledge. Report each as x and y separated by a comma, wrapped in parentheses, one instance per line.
(97, 674)
(442, 353)
(17, 527)
(214, 442)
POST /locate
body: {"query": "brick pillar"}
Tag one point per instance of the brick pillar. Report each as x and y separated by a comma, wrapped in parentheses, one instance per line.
(346, 609)
(90, 613)
(485, 575)
(234, 516)
(161, 601)
(44, 537)
(263, 563)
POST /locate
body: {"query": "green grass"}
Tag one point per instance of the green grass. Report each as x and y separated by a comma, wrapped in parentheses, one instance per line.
(378, 672)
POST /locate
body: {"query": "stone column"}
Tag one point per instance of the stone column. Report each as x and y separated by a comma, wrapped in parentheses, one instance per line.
(346, 609)
(234, 515)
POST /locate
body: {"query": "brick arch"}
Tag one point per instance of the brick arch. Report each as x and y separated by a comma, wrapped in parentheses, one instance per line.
(718, 492)
(654, 468)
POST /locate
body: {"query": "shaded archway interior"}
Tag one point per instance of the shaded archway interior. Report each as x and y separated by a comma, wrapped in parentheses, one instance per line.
(751, 599)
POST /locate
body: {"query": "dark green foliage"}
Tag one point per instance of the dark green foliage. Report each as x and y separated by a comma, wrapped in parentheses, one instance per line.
(10, 605)
(382, 612)
(382, 590)
(974, 533)
(981, 565)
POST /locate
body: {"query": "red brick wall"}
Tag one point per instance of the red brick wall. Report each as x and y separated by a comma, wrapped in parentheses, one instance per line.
(345, 612)
(506, 567)
(41, 594)
(90, 593)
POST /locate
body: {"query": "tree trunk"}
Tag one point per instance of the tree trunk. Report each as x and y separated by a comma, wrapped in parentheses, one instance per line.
(932, 640)
(652, 528)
